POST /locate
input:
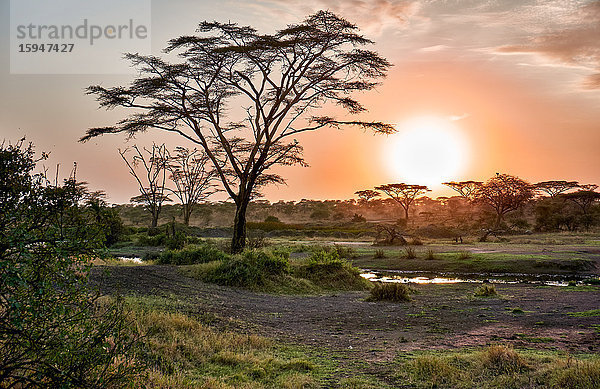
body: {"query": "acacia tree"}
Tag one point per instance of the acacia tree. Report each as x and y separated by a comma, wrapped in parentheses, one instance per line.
(403, 194)
(504, 193)
(149, 168)
(366, 195)
(278, 79)
(192, 178)
(555, 187)
(583, 198)
(466, 189)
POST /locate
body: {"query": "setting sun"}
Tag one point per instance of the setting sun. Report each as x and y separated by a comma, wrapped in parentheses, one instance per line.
(427, 150)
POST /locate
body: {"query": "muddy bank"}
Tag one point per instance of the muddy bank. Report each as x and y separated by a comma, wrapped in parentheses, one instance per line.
(438, 317)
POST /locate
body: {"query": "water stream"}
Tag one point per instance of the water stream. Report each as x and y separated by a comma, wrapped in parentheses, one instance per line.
(452, 278)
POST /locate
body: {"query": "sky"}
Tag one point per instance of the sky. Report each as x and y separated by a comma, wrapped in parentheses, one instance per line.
(477, 87)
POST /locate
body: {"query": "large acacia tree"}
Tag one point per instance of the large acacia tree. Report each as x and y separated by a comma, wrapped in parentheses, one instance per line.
(504, 193)
(279, 80)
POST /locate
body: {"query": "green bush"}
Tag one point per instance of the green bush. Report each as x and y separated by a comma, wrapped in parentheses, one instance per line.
(55, 332)
(325, 257)
(249, 269)
(390, 291)
(327, 270)
(192, 254)
(176, 242)
(152, 239)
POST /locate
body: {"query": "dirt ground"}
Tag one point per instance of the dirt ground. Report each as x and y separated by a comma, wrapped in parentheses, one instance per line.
(438, 317)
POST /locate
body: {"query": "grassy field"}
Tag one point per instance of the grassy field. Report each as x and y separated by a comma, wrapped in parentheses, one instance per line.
(297, 315)
(191, 350)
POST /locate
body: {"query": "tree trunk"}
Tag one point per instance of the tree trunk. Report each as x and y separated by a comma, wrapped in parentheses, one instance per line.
(498, 221)
(238, 242)
(187, 212)
(154, 219)
(406, 215)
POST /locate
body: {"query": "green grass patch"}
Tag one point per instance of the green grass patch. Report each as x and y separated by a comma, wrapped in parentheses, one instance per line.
(534, 339)
(590, 313)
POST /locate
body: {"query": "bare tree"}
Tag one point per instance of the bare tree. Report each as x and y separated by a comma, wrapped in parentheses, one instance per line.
(403, 194)
(466, 189)
(193, 179)
(149, 168)
(366, 195)
(504, 193)
(279, 79)
(554, 188)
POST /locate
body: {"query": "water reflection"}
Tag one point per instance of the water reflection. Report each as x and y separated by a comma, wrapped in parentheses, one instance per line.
(130, 259)
(403, 277)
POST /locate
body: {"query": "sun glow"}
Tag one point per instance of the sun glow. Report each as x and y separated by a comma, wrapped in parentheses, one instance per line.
(427, 151)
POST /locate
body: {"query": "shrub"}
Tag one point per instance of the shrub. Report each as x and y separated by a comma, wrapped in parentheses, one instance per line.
(486, 291)
(158, 239)
(176, 242)
(191, 254)
(327, 270)
(272, 219)
(325, 257)
(249, 269)
(410, 253)
(344, 251)
(379, 254)
(502, 359)
(390, 291)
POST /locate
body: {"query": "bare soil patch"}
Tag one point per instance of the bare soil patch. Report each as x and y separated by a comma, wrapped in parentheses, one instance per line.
(437, 317)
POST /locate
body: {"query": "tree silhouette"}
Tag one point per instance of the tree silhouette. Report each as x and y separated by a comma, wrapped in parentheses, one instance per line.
(504, 193)
(554, 188)
(583, 198)
(403, 194)
(192, 178)
(151, 178)
(466, 189)
(278, 79)
(366, 195)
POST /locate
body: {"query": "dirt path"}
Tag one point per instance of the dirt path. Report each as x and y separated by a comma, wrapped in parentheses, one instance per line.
(439, 316)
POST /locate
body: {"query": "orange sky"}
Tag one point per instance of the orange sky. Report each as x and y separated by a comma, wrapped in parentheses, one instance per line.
(519, 78)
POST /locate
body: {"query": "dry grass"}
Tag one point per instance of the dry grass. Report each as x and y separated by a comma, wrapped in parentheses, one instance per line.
(486, 290)
(390, 291)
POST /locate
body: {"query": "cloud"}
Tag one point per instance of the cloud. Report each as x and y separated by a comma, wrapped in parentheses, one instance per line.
(577, 44)
(371, 15)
